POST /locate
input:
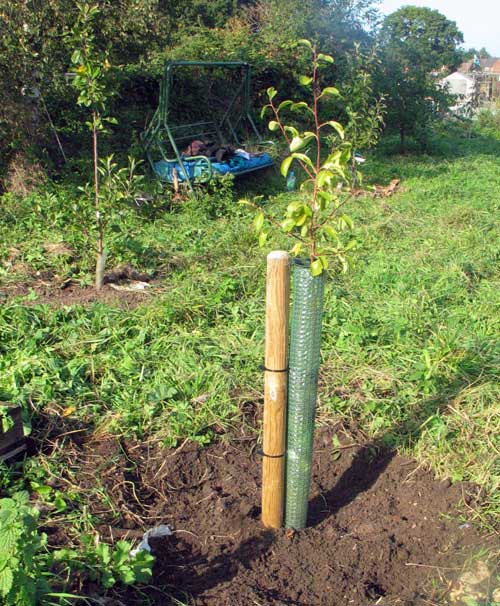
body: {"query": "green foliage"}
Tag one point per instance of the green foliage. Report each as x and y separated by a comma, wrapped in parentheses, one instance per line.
(107, 565)
(315, 219)
(28, 571)
(414, 42)
(23, 557)
(422, 36)
(364, 111)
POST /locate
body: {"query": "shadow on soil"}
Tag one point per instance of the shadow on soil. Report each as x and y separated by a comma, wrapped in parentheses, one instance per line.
(479, 364)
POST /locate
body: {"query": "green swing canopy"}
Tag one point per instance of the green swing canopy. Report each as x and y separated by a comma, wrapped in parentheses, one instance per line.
(211, 104)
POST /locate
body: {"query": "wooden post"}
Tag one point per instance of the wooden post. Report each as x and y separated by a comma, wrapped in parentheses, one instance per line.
(275, 396)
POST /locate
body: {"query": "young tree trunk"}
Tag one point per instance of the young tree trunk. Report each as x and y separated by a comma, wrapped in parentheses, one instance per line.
(101, 257)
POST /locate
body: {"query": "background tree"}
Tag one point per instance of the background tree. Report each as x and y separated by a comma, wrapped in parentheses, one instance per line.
(415, 44)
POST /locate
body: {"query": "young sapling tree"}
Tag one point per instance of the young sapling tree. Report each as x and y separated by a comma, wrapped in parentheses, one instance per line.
(316, 217)
(91, 79)
(316, 220)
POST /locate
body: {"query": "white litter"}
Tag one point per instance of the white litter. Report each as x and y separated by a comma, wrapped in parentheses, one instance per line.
(163, 530)
(130, 285)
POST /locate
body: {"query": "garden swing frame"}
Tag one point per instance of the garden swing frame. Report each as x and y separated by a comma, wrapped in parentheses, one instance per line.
(161, 132)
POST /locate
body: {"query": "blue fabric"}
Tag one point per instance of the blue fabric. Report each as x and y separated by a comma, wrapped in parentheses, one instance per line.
(236, 164)
(165, 170)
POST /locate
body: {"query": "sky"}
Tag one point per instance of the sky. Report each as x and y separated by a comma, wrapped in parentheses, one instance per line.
(478, 20)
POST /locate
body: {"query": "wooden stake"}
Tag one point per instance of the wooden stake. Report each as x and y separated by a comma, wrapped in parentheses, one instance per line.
(276, 374)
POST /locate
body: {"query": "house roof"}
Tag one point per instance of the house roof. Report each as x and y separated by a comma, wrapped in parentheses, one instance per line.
(489, 66)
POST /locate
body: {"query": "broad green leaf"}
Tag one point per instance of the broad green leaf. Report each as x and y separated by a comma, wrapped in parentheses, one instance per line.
(258, 222)
(284, 104)
(304, 159)
(285, 165)
(288, 224)
(347, 221)
(324, 261)
(262, 238)
(330, 231)
(297, 248)
(304, 42)
(300, 142)
(338, 127)
(350, 245)
(316, 267)
(6, 581)
(296, 144)
(263, 111)
(330, 90)
(273, 125)
(305, 80)
(292, 130)
(300, 105)
(324, 177)
(325, 58)
(271, 93)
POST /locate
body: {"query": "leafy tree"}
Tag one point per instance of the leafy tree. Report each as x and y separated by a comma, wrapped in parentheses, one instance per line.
(91, 81)
(422, 36)
(364, 110)
(315, 219)
(415, 42)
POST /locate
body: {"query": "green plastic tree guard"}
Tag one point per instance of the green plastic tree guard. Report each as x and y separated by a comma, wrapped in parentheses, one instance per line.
(304, 359)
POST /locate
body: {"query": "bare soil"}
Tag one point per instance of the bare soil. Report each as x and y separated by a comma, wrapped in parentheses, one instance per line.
(117, 290)
(380, 528)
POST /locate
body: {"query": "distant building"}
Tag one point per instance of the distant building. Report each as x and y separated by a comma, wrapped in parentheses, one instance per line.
(476, 82)
(486, 73)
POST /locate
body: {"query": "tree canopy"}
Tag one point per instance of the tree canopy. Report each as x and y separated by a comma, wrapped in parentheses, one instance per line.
(423, 36)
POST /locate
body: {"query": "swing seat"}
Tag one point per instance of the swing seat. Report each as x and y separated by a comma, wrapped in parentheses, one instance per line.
(164, 142)
(201, 169)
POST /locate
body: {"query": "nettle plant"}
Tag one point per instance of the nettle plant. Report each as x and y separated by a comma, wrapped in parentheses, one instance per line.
(110, 183)
(315, 219)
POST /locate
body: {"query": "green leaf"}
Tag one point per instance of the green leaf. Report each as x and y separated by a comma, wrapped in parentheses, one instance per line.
(262, 238)
(258, 222)
(330, 91)
(297, 248)
(273, 125)
(43, 491)
(323, 177)
(285, 165)
(288, 224)
(300, 105)
(347, 221)
(304, 159)
(6, 581)
(338, 127)
(271, 93)
(263, 111)
(292, 130)
(76, 57)
(325, 58)
(324, 261)
(316, 267)
(330, 231)
(121, 552)
(284, 104)
(304, 42)
(300, 142)
(305, 80)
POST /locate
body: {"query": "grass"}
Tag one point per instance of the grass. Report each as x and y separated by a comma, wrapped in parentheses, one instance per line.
(411, 343)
